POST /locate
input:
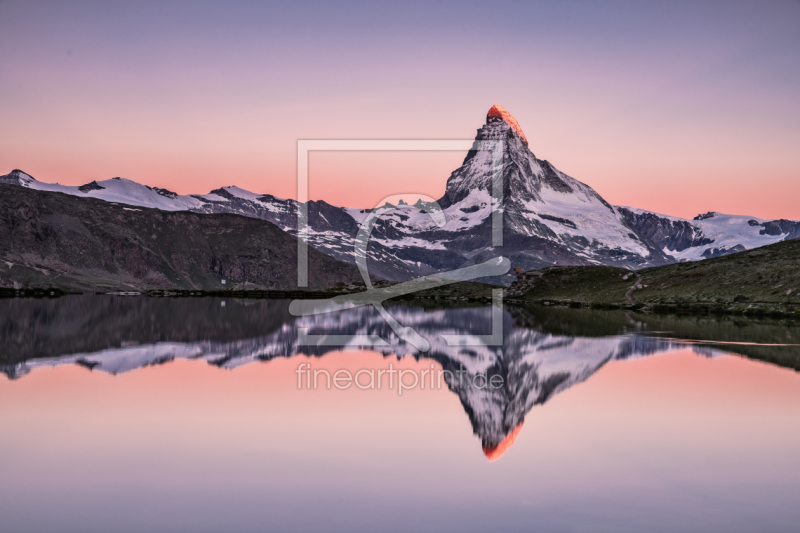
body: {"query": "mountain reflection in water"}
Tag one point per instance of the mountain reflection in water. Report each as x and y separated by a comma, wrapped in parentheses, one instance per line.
(545, 351)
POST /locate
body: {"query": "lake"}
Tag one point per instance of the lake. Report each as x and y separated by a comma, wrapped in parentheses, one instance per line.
(220, 414)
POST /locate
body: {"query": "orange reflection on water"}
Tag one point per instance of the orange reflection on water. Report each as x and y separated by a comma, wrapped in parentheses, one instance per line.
(493, 453)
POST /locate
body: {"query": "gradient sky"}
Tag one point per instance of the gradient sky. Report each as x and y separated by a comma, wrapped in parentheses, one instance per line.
(677, 107)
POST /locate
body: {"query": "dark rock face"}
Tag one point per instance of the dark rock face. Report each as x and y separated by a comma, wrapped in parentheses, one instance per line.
(560, 220)
(794, 233)
(673, 234)
(322, 216)
(223, 193)
(54, 240)
(779, 227)
(166, 193)
(722, 250)
(93, 186)
(552, 179)
(15, 177)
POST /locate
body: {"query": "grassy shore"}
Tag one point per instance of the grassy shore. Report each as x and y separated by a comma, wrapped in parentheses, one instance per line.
(760, 281)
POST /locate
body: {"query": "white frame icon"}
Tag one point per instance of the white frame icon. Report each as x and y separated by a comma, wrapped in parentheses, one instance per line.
(375, 297)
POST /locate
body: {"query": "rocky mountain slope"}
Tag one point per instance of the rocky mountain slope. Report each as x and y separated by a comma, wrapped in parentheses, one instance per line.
(708, 235)
(54, 240)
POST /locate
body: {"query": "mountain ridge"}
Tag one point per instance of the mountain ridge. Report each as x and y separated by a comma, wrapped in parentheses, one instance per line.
(49, 239)
(549, 218)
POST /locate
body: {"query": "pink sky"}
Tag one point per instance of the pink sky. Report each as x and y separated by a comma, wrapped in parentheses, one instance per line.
(676, 109)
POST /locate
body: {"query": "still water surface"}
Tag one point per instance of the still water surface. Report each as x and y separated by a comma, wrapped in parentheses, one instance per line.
(132, 414)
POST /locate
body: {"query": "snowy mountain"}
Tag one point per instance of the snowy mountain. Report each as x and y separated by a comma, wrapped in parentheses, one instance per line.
(548, 218)
(49, 239)
(710, 234)
(117, 190)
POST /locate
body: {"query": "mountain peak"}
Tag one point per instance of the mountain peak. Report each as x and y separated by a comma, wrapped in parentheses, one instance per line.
(17, 177)
(17, 173)
(498, 111)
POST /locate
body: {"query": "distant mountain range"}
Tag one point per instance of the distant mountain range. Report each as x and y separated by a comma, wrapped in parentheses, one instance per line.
(548, 218)
(86, 244)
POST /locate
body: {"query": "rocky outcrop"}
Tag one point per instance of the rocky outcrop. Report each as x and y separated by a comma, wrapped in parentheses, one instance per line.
(53, 240)
(16, 177)
(93, 186)
(708, 235)
(709, 253)
(781, 227)
(675, 235)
